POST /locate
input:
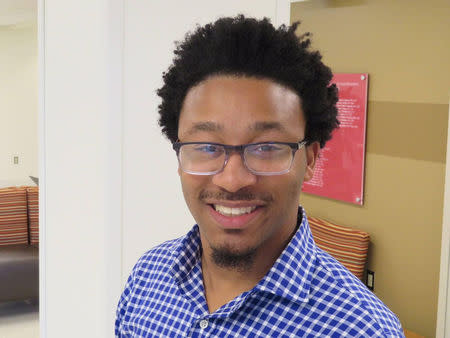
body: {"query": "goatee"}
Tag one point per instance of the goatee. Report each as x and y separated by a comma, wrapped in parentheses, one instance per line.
(237, 261)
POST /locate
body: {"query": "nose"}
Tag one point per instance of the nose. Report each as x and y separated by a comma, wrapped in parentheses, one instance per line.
(235, 175)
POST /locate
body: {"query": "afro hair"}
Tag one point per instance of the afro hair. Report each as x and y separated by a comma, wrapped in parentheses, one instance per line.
(249, 47)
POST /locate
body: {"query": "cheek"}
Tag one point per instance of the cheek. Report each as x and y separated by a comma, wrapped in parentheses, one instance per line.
(186, 186)
(293, 182)
(285, 190)
(191, 186)
(293, 189)
(298, 169)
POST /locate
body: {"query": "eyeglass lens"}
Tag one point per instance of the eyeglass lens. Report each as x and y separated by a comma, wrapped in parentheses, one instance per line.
(202, 158)
(209, 158)
(268, 157)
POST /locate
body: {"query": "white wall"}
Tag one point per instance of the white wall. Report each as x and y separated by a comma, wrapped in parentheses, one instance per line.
(18, 103)
(80, 125)
(108, 184)
(153, 205)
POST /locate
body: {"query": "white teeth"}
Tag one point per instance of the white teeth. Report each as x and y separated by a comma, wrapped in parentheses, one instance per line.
(233, 211)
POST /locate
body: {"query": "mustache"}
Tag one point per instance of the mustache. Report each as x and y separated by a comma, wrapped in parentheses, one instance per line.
(240, 195)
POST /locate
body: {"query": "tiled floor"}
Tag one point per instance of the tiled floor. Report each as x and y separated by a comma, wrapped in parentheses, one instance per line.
(19, 320)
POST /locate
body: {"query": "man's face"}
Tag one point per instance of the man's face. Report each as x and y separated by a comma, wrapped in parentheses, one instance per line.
(240, 110)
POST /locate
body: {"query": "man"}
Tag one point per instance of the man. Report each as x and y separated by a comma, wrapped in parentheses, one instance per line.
(247, 108)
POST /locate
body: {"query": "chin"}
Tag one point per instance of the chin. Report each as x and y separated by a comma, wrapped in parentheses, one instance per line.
(232, 258)
(233, 249)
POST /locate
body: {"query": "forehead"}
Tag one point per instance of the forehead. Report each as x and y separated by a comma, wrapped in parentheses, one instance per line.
(231, 106)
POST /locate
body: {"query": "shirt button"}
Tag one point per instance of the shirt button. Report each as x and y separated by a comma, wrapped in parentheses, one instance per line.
(204, 324)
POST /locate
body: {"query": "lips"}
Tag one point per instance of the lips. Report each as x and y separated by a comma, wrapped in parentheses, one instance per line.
(230, 211)
(234, 216)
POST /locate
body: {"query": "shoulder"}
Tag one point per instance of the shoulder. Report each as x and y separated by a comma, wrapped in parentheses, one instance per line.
(152, 267)
(159, 257)
(354, 291)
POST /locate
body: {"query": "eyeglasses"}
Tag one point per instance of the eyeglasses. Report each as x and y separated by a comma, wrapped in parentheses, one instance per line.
(266, 158)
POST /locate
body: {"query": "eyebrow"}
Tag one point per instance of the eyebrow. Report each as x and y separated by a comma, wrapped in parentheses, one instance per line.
(265, 125)
(258, 126)
(204, 126)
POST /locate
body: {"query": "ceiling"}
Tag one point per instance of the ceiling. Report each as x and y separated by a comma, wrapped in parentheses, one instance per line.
(13, 12)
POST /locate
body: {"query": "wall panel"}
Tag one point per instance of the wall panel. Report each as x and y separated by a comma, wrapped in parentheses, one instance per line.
(402, 45)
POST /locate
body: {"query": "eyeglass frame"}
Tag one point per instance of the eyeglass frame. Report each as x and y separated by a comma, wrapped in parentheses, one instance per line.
(239, 149)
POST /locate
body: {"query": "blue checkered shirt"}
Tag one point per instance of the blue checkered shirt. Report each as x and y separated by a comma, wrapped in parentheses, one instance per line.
(306, 293)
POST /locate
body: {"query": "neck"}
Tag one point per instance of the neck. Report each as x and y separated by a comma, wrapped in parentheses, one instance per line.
(224, 284)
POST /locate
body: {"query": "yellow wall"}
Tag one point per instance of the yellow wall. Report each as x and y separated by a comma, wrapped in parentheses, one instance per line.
(18, 103)
(404, 45)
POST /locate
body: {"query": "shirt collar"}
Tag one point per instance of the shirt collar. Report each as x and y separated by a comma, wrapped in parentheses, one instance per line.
(289, 277)
(187, 253)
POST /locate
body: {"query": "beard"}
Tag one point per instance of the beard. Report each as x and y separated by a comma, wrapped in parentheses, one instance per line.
(238, 261)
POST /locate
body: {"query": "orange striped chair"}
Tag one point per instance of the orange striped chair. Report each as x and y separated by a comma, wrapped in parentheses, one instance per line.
(349, 246)
(33, 213)
(13, 216)
(19, 261)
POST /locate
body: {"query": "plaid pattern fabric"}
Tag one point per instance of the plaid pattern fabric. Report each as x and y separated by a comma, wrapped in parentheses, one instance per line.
(306, 293)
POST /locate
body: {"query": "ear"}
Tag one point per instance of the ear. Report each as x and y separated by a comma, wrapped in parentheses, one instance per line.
(312, 154)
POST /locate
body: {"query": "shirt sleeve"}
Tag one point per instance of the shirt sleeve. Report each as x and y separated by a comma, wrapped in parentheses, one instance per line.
(122, 306)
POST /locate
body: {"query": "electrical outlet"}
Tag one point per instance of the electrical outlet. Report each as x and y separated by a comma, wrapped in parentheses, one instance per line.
(370, 282)
(16, 159)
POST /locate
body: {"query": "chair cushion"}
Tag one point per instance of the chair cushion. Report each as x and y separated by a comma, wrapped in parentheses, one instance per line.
(349, 246)
(19, 273)
(33, 213)
(13, 216)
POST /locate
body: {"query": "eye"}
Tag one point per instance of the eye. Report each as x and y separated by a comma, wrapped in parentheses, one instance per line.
(266, 151)
(208, 148)
(266, 148)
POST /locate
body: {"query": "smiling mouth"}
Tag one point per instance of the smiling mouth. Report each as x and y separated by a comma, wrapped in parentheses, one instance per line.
(230, 212)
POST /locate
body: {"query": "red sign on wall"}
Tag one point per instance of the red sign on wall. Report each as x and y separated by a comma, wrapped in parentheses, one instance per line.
(339, 172)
